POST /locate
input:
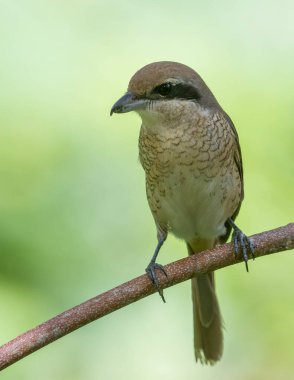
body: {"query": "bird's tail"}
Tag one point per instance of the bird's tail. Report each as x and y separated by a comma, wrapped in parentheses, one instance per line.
(208, 335)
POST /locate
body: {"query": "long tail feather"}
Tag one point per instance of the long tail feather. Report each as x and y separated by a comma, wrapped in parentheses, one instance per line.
(208, 334)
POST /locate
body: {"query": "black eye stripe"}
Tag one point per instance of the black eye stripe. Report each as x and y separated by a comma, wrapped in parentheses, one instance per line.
(185, 91)
(178, 90)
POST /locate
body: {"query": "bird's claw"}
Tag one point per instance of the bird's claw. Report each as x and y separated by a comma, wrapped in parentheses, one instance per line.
(151, 273)
(240, 240)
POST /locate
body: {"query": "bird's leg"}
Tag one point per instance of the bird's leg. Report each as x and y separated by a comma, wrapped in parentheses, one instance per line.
(152, 266)
(240, 240)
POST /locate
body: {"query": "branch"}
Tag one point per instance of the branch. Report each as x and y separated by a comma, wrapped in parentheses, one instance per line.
(265, 243)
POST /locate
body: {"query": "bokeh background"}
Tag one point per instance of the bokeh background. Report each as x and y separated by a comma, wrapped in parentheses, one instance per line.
(74, 220)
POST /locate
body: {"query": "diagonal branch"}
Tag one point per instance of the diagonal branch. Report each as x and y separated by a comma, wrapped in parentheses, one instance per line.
(265, 243)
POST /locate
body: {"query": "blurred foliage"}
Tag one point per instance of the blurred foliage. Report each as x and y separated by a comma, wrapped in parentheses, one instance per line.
(74, 220)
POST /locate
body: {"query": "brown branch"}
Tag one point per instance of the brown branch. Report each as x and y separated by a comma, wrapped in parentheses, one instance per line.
(265, 243)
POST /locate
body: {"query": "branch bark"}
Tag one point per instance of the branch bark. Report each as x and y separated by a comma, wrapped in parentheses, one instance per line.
(265, 243)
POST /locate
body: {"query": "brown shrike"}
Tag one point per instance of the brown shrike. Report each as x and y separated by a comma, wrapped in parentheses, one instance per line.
(190, 152)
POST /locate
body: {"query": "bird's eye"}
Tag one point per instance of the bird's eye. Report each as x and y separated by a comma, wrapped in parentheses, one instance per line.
(164, 89)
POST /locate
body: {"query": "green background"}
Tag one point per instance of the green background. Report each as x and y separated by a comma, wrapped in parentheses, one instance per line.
(74, 219)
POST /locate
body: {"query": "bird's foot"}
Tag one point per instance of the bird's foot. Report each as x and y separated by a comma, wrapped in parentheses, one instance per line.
(151, 273)
(241, 241)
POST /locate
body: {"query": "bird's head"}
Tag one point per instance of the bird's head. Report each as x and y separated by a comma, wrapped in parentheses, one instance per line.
(164, 89)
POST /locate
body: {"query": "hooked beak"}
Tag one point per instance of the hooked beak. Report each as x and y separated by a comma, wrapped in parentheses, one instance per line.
(128, 103)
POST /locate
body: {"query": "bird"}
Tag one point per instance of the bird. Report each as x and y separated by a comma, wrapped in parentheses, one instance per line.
(190, 152)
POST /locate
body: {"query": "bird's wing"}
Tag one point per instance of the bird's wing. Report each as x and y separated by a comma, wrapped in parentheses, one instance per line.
(239, 164)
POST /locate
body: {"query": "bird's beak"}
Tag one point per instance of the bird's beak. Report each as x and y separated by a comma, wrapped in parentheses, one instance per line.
(128, 103)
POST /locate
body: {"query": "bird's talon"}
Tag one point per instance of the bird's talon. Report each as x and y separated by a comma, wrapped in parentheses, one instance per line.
(151, 273)
(164, 271)
(246, 265)
(243, 243)
(161, 295)
(251, 247)
(235, 241)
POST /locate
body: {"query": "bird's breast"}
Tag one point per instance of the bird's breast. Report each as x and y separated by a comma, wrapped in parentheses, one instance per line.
(189, 180)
